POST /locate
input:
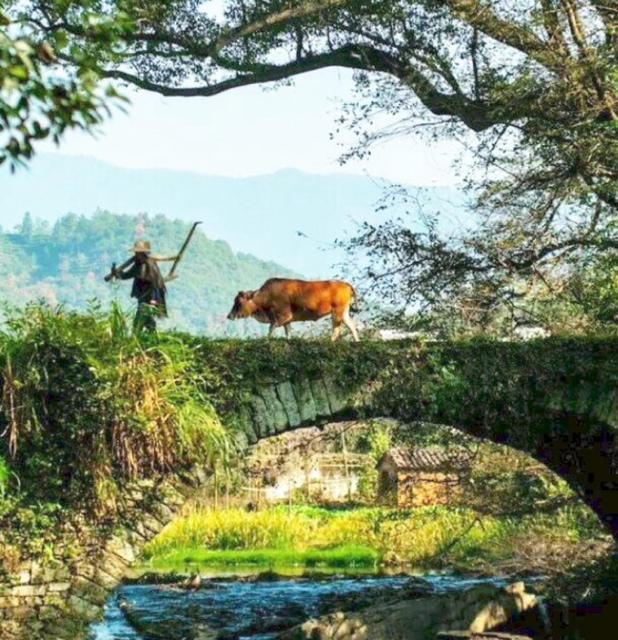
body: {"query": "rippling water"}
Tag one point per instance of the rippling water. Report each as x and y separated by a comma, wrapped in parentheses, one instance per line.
(236, 609)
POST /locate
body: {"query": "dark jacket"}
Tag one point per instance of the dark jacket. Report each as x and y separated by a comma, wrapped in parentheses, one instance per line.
(148, 283)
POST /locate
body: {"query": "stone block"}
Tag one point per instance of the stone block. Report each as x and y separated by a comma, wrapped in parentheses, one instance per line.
(305, 401)
(23, 577)
(141, 530)
(160, 512)
(133, 494)
(47, 612)
(246, 425)
(113, 566)
(262, 419)
(21, 613)
(201, 475)
(90, 591)
(121, 547)
(84, 610)
(104, 580)
(136, 538)
(320, 397)
(188, 480)
(241, 440)
(150, 524)
(61, 573)
(286, 396)
(63, 629)
(29, 590)
(336, 396)
(277, 416)
(173, 497)
(11, 629)
(34, 627)
(146, 484)
(58, 587)
(37, 573)
(85, 569)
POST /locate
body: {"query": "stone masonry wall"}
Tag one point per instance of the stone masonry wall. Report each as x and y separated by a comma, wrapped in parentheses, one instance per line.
(287, 405)
(58, 597)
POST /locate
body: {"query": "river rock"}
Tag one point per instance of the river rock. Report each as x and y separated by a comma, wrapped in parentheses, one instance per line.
(476, 610)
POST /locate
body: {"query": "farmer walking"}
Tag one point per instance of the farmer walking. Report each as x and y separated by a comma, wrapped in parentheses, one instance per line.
(148, 283)
(148, 286)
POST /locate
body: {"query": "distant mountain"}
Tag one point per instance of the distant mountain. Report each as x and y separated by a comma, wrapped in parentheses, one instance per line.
(289, 216)
(65, 264)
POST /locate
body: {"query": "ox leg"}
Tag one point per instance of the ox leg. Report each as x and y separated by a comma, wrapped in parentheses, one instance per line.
(336, 328)
(281, 320)
(288, 330)
(351, 325)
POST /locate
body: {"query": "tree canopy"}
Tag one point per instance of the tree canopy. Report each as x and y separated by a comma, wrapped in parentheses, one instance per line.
(39, 98)
(485, 64)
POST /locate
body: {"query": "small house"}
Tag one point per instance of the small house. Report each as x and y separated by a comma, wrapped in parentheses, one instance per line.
(418, 477)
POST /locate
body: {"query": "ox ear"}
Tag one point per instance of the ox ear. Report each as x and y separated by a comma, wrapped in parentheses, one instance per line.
(247, 295)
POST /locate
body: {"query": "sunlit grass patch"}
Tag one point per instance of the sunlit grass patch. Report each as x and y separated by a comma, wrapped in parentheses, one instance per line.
(234, 529)
(426, 538)
(344, 557)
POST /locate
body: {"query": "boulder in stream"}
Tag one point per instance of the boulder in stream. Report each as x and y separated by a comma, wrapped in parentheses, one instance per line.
(478, 609)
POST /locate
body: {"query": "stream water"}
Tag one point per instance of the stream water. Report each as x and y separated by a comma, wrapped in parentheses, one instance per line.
(228, 609)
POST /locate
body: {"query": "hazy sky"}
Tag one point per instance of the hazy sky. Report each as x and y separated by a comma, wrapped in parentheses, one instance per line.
(253, 131)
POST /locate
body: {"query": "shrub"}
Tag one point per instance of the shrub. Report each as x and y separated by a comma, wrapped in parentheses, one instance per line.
(87, 406)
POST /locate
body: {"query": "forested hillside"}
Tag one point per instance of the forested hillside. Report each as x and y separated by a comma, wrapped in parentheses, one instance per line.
(289, 216)
(65, 264)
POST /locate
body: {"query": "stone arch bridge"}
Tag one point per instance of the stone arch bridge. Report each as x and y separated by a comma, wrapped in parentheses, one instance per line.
(554, 399)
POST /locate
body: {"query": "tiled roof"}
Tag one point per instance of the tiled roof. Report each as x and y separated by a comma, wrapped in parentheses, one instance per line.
(429, 458)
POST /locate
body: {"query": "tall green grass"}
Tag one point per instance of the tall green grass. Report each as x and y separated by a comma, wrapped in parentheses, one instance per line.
(426, 538)
(86, 405)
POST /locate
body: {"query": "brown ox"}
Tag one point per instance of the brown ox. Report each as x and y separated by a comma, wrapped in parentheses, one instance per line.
(280, 301)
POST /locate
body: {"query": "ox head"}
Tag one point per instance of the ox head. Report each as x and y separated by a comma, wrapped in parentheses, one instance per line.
(243, 306)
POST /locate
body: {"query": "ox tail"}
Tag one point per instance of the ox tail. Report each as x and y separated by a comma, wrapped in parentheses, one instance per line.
(355, 305)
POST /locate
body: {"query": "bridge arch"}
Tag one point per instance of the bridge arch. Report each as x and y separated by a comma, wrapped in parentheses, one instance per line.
(574, 431)
(564, 415)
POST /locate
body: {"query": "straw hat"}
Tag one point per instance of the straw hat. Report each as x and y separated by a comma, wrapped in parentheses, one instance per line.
(141, 246)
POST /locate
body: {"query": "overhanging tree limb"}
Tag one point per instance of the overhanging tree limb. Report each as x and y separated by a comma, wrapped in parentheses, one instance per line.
(261, 73)
(475, 114)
